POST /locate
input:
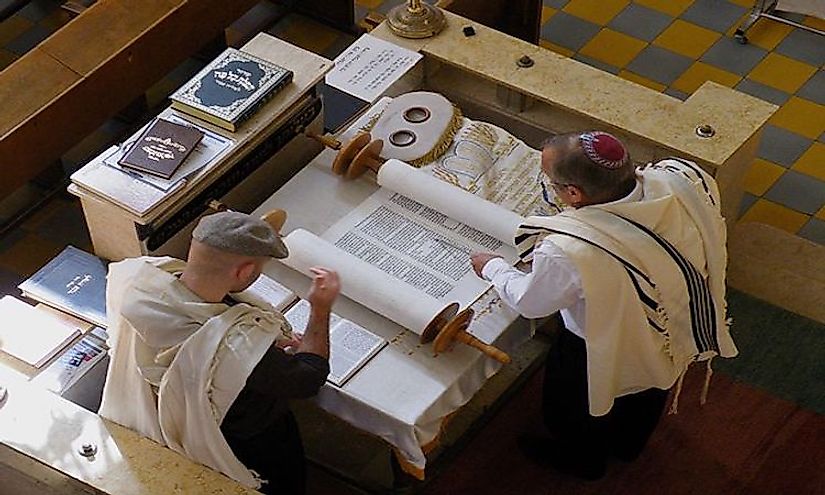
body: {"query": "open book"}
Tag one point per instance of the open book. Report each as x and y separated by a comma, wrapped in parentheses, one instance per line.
(351, 345)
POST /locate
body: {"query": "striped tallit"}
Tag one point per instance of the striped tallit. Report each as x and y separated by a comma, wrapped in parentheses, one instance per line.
(653, 279)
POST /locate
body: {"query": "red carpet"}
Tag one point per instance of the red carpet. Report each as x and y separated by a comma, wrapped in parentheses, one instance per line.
(742, 441)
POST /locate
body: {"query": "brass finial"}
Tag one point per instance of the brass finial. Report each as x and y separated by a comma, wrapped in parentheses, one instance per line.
(416, 19)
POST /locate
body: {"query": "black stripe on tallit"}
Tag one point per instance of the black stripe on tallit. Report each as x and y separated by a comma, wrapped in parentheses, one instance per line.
(699, 174)
(702, 309)
(621, 260)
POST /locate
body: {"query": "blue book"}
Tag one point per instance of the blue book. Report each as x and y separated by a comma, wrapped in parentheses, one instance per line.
(74, 281)
(230, 88)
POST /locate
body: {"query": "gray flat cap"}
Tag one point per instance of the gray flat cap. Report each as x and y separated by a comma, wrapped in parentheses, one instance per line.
(240, 233)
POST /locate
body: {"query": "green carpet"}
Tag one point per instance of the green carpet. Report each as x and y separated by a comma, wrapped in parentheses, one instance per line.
(780, 352)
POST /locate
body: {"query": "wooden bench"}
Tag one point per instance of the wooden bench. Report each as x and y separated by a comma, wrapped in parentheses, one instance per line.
(86, 72)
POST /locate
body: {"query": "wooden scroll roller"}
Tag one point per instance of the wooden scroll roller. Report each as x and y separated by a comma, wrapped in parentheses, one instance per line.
(360, 154)
(429, 318)
(276, 218)
(446, 330)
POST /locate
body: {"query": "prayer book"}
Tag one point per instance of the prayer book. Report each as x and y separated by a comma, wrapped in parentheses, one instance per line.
(67, 369)
(162, 148)
(32, 335)
(266, 292)
(351, 346)
(230, 89)
(74, 281)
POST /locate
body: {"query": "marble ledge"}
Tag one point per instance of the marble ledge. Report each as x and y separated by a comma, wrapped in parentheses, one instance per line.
(778, 267)
(558, 81)
(50, 429)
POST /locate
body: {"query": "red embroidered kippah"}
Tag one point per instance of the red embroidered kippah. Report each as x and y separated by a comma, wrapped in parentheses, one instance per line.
(603, 149)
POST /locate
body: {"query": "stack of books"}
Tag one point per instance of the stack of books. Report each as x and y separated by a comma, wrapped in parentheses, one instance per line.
(230, 89)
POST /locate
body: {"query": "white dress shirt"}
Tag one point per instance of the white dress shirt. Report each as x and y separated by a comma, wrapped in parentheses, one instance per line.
(552, 285)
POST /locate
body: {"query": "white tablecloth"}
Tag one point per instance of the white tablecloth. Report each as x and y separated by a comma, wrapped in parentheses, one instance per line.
(404, 393)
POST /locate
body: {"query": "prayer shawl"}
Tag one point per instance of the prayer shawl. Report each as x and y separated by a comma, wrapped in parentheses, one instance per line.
(177, 363)
(653, 277)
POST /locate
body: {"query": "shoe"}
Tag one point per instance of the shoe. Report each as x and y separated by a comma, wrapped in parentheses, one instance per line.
(547, 453)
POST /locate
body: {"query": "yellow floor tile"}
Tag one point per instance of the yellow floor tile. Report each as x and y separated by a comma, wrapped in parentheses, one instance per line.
(615, 48)
(630, 76)
(546, 14)
(556, 48)
(672, 7)
(779, 216)
(767, 34)
(821, 213)
(309, 35)
(802, 117)
(761, 176)
(812, 162)
(815, 23)
(782, 72)
(700, 72)
(598, 11)
(687, 39)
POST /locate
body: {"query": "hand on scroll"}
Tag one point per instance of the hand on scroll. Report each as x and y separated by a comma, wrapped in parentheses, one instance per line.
(325, 288)
(478, 260)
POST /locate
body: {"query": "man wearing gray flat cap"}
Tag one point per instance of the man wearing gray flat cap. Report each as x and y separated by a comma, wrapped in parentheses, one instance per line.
(205, 375)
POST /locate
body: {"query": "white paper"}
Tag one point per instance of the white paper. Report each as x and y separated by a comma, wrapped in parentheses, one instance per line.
(351, 345)
(369, 66)
(265, 292)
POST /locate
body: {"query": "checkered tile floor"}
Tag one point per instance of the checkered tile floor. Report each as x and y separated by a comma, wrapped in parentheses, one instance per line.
(671, 46)
(674, 46)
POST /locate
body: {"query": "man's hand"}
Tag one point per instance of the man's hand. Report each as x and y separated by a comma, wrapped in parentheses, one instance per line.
(478, 260)
(325, 288)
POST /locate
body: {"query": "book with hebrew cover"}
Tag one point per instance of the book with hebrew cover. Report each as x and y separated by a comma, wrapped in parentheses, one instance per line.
(230, 89)
(162, 148)
(32, 335)
(74, 281)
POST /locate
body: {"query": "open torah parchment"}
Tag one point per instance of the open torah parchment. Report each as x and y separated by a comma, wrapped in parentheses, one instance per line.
(404, 252)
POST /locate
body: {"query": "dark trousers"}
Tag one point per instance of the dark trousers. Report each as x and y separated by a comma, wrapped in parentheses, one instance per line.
(587, 441)
(277, 455)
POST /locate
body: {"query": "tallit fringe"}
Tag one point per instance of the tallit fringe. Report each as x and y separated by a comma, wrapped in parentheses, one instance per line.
(708, 374)
(674, 406)
(444, 142)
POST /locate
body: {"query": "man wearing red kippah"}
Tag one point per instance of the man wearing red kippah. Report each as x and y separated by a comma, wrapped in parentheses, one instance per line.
(636, 266)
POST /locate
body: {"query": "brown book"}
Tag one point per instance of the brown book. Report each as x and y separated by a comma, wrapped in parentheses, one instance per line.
(162, 148)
